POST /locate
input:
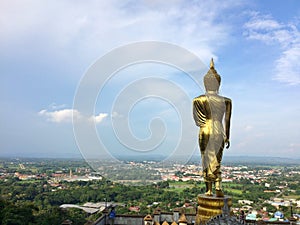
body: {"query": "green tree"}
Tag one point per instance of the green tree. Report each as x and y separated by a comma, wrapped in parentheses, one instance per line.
(18, 215)
(270, 208)
(77, 216)
(53, 215)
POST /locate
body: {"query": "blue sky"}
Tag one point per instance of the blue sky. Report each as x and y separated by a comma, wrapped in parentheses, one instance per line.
(46, 47)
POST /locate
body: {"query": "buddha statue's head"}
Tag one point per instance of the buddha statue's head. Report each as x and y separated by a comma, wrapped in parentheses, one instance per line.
(212, 79)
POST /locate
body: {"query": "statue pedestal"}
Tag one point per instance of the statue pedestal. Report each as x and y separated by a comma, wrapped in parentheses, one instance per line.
(210, 206)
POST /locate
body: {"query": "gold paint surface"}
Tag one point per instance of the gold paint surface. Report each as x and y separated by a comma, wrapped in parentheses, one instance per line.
(209, 207)
(212, 114)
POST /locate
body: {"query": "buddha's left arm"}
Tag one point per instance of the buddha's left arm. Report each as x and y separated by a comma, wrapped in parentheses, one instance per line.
(227, 119)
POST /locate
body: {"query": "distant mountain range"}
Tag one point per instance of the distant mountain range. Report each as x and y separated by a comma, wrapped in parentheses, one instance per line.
(261, 160)
(227, 159)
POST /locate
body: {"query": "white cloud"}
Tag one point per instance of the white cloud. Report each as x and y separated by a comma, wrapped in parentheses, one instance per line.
(69, 115)
(98, 118)
(287, 66)
(262, 22)
(102, 25)
(266, 29)
(60, 116)
(117, 115)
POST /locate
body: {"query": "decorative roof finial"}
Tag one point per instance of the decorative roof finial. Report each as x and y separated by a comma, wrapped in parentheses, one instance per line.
(212, 64)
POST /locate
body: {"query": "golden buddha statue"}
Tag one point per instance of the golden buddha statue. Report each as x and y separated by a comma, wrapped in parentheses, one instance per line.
(210, 111)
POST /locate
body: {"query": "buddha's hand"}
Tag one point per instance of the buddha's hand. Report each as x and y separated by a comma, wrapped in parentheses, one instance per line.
(227, 143)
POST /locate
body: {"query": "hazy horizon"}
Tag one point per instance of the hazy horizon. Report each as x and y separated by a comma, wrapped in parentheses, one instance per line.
(139, 157)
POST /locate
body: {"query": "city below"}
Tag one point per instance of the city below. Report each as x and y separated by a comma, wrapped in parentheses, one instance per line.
(265, 189)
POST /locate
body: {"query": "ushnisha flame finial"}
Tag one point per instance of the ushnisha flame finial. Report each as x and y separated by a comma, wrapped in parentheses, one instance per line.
(212, 64)
(212, 79)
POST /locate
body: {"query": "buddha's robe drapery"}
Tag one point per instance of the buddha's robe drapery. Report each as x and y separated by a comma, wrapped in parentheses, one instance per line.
(208, 113)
